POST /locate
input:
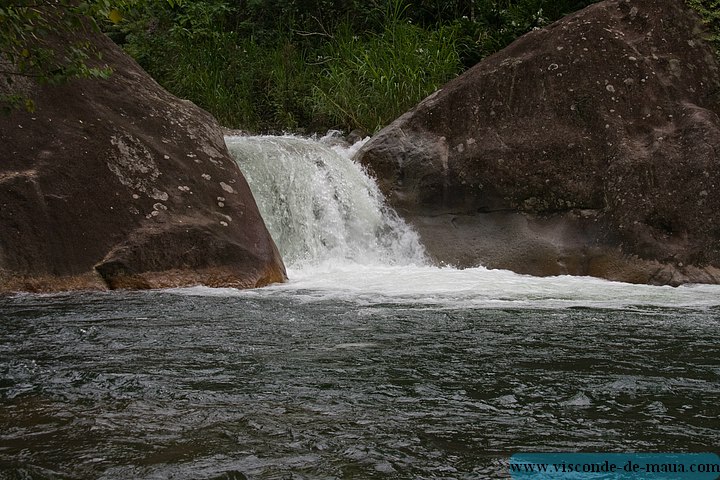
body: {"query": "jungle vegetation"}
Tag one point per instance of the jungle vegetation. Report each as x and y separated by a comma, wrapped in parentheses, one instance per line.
(280, 65)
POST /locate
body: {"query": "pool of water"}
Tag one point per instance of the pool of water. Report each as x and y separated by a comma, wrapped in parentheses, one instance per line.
(410, 372)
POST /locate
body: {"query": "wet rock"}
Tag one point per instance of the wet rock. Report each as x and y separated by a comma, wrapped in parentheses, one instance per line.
(356, 136)
(590, 147)
(108, 185)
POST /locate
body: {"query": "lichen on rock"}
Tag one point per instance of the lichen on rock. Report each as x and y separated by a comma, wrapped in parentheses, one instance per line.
(593, 139)
(104, 187)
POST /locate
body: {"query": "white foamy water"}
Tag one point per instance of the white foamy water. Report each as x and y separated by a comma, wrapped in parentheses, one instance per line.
(319, 205)
(436, 287)
(368, 363)
(340, 242)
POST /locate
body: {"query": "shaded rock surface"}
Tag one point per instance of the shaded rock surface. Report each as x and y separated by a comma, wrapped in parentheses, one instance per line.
(591, 147)
(118, 184)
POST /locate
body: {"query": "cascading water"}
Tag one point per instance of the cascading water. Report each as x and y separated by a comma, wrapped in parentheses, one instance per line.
(340, 241)
(320, 206)
(367, 363)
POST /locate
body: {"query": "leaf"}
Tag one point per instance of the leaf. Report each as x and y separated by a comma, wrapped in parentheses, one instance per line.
(115, 16)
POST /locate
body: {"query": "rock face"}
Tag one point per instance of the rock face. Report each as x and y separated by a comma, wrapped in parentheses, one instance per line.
(591, 147)
(118, 184)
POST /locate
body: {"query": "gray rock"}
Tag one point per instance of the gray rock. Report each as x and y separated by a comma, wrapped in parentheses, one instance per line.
(590, 147)
(115, 184)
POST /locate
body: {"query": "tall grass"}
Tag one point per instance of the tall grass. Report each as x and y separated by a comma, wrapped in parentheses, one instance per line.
(242, 83)
(289, 65)
(196, 53)
(369, 81)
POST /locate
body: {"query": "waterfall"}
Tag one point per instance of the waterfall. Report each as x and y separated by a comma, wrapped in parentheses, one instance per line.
(319, 205)
(341, 243)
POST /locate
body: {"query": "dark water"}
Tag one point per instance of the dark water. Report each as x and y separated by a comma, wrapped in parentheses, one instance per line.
(164, 385)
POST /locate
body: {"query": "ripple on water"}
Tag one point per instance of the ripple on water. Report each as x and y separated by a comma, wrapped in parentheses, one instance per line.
(168, 385)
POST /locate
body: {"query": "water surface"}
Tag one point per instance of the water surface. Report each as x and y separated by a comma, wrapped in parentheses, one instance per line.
(369, 363)
(299, 382)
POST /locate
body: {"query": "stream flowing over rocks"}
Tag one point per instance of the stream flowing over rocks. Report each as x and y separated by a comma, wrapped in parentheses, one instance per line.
(590, 147)
(118, 184)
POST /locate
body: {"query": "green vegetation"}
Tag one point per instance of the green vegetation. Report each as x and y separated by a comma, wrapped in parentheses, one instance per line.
(279, 65)
(367, 82)
(709, 11)
(299, 65)
(29, 46)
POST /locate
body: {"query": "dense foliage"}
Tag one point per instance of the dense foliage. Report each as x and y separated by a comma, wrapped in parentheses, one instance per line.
(291, 64)
(709, 11)
(279, 65)
(30, 31)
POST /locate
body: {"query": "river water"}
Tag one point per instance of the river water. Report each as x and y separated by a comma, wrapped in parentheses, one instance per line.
(368, 363)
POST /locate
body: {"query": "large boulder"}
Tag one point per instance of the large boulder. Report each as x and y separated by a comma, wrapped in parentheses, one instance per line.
(118, 184)
(591, 147)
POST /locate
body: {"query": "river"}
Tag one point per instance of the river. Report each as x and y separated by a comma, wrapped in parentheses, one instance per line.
(368, 363)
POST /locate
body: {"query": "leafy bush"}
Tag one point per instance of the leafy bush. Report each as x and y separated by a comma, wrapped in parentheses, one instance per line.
(44, 40)
(195, 52)
(278, 65)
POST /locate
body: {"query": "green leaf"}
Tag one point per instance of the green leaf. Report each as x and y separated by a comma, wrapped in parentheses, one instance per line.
(115, 16)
